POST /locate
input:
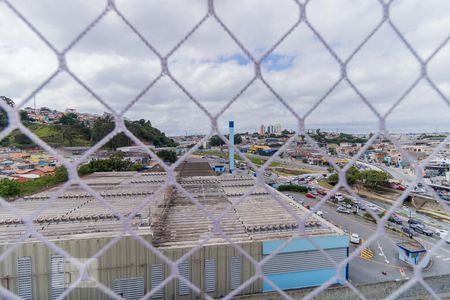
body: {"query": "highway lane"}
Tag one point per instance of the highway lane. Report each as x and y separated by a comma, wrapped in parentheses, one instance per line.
(385, 258)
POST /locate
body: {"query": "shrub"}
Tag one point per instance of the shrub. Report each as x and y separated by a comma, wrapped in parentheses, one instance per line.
(293, 188)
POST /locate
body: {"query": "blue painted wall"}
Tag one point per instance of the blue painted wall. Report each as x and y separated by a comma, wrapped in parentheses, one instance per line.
(325, 242)
(310, 278)
(299, 280)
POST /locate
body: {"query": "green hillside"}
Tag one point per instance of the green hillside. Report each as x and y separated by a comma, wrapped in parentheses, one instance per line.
(59, 135)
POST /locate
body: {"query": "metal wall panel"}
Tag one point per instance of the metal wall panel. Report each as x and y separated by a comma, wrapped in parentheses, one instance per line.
(156, 279)
(185, 270)
(303, 261)
(210, 275)
(235, 272)
(24, 281)
(57, 282)
(129, 288)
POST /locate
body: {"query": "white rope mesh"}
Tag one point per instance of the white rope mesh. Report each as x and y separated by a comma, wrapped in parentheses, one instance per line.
(210, 14)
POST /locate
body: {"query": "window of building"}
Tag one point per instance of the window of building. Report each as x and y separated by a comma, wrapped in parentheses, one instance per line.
(210, 275)
(57, 281)
(184, 269)
(24, 279)
(156, 278)
(129, 288)
(235, 272)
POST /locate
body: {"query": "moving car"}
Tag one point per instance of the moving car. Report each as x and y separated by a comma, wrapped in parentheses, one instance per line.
(373, 207)
(409, 231)
(342, 209)
(413, 221)
(421, 229)
(355, 239)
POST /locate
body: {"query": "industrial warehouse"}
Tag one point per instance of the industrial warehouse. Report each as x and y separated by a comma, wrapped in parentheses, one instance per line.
(173, 224)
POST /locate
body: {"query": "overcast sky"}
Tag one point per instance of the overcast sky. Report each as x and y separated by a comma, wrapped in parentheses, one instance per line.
(117, 65)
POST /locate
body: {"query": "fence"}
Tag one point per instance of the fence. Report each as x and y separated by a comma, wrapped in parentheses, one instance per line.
(258, 76)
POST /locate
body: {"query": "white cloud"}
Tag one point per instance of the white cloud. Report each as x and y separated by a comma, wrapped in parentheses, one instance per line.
(117, 65)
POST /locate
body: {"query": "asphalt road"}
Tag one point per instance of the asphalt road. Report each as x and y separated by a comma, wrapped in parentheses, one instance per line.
(385, 251)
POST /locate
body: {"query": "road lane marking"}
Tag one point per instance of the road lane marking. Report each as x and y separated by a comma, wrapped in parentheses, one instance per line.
(382, 253)
(446, 259)
(439, 256)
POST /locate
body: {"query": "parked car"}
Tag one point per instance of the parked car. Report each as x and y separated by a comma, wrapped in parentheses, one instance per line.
(319, 213)
(309, 195)
(400, 187)
(355, 239)
(342, 209)
(306, 206)
(321, 192)
(373, 207)
(314, 192)
(395, 219)
(441, 233)
(409, 232)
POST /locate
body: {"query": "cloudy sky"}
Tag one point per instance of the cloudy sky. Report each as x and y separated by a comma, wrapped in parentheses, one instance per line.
(117, 65)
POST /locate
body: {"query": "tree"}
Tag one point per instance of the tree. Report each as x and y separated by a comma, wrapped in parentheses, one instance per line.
(61, 174)
(85, 169)
(352, 176)
(9, 188)
(68, 135)
(137, 167)
(216, 141)
(24, 117)
(142, 129)
(3, 114)
(373, 178)
(167, 155)
(237, 139)
(22, 139)
(69, 119)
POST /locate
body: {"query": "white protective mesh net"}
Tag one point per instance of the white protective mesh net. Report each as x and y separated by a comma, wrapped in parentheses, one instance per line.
(211, 15)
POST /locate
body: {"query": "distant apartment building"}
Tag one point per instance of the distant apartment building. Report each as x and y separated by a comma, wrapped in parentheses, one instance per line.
(273, 129)
(277, 128)
(262, 130)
